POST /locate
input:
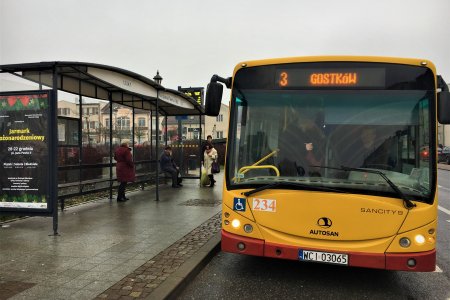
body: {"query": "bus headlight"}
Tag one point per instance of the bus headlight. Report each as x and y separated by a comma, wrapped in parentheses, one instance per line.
(404, 242)
(236, 223)
(420, 239)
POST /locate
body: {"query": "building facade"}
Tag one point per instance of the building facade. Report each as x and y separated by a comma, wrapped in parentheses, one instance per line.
(217, 127)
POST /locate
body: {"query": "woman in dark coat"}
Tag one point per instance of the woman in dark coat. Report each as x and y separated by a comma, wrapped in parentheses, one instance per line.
(124, 169)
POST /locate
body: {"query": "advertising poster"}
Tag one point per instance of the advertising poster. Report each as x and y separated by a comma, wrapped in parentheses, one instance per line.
(24, 152)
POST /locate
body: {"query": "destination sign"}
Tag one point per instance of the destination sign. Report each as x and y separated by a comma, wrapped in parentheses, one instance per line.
(194, 92)
(355, 77)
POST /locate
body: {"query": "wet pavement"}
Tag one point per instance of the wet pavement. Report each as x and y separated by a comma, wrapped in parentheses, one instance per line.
(140, 249)
(108, 250)
(444, 166)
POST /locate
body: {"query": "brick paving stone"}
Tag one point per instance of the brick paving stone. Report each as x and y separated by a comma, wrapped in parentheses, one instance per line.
(135, 294)
(147, 277)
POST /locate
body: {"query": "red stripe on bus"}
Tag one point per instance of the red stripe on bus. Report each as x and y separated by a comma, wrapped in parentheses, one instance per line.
(425, 261)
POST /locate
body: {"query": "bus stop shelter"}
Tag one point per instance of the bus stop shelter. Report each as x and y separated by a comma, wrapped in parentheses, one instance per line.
(71, 117)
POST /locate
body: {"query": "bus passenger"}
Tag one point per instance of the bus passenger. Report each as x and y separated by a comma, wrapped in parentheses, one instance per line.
(124, 169)
(168, 165)
(302, 144)
(207, 142)
(210, 156)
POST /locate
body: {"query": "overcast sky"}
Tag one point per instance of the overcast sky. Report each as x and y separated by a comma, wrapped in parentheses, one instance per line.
(188, 41)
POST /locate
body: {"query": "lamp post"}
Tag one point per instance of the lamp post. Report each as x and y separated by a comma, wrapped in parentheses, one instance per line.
(114, 121)
(158, 80)
(87, 120)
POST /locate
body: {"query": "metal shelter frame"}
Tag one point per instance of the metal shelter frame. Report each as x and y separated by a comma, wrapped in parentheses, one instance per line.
(109, 83)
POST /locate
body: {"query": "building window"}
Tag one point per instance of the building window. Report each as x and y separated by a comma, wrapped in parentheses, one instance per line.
(219, 134)
(141, 122)
(219, 118)
(90, 110)
(93, 124)
(123, 123)
(63, 111)
(107, 122)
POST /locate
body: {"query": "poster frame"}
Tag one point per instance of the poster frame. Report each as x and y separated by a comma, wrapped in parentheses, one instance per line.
(50, 165)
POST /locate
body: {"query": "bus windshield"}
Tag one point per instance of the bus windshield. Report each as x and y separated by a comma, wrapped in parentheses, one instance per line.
(317, 138)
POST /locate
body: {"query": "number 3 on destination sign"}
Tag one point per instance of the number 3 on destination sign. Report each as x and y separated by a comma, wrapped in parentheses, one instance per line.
(283, 79)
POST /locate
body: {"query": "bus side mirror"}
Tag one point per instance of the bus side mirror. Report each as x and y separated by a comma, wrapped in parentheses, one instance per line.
(213, 100)
(444, 107)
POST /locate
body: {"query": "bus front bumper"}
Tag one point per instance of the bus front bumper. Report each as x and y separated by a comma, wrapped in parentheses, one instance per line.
(424, 261)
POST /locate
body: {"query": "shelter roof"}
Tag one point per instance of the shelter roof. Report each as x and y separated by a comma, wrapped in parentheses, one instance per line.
(108, 83)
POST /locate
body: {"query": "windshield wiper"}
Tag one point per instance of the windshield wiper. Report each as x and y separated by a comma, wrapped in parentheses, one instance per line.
(408, 203)
(296, 184)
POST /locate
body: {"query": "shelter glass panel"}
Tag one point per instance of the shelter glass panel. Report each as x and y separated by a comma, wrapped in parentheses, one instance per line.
(94, 173)
(95, 132)
(184, 138)
(69, 153)
(66, 177)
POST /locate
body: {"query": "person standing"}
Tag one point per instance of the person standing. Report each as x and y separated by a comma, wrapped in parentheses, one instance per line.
(168, 165)
(209, 156)
(124, 169)
(208, 141)
(302, 146)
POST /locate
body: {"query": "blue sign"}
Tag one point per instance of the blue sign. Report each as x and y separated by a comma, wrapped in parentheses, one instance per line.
(239, 204)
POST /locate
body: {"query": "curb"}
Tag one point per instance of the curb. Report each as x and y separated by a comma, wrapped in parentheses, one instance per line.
(443, 167)
(178, 281)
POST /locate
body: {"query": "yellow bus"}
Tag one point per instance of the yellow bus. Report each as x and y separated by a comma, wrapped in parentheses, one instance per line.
(333, 160)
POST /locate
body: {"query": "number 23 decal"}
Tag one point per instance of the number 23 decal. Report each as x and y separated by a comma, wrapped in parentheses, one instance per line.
(264, 205)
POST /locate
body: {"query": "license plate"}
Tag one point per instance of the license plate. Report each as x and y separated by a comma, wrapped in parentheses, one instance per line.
(324, 257)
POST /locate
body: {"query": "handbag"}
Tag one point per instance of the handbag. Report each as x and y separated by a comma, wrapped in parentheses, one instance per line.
(204, 179)
(215, 168)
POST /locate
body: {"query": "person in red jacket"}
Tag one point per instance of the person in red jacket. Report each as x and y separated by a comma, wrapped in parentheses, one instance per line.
(124, 169)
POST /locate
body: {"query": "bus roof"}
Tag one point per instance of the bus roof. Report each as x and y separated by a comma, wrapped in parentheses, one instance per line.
(308, 59)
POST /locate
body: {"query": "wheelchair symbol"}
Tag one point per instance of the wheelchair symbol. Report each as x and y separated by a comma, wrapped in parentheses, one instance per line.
(239, 204)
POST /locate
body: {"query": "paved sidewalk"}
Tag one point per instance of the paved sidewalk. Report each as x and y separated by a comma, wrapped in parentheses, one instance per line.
(109, 250)
(444, 166)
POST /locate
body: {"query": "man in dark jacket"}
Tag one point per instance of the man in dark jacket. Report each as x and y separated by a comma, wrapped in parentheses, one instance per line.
(302, 146)
(168, 165)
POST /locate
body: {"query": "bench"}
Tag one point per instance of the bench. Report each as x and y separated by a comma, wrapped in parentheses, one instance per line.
(89, 186)
(86, 186)
(165, 176)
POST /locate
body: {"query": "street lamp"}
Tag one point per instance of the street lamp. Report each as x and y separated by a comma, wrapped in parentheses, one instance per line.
(157, 78)
(115, 109)
(87, 120)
